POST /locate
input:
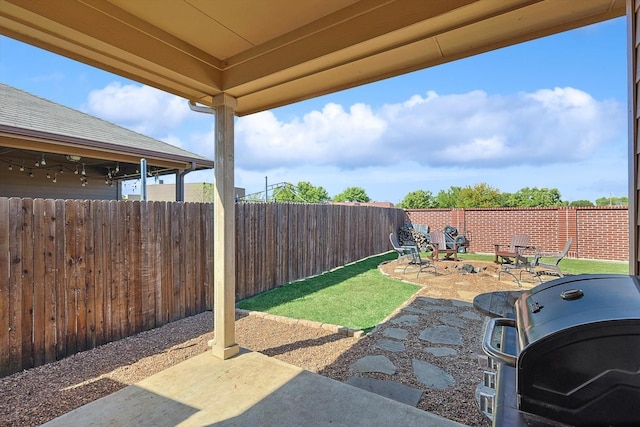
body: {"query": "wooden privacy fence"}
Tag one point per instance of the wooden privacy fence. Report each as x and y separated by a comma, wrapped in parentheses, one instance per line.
(76, 274)
(279, 243)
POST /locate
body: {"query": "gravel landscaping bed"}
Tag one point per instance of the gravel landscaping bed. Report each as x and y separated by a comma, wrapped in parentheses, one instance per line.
(37, 395)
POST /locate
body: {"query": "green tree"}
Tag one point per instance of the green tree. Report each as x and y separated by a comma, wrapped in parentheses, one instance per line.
(419, 199)
(352, 194)
(312, 194)
(285, 193)
(448, 198)
(304, 192)
(613, 201)
(581, 203)
(535, 197)
(504, 199)
(479, 196)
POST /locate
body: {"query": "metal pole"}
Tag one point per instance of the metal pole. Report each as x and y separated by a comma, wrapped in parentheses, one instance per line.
(143, 179)
(266, 192)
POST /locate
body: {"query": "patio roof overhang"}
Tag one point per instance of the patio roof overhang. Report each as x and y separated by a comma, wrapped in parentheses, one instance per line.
(269, 54)
(241, 57)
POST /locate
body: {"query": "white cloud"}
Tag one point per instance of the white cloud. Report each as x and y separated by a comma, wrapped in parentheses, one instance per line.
(602, 175)
(559, 138)
(141, 108)
(474, 129)
(331, 136)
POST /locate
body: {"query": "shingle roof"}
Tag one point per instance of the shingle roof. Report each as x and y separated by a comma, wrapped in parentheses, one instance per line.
(20, 109)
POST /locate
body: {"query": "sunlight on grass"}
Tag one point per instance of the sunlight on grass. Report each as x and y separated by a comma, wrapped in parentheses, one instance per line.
(357, 296)
(569, 265)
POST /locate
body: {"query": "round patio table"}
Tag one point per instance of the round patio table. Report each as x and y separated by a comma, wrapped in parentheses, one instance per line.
(497, 304)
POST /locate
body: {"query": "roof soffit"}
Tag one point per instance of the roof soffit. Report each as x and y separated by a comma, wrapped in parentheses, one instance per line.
(268, 54)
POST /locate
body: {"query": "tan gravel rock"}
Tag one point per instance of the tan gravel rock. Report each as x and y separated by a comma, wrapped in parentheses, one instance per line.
(37, 395)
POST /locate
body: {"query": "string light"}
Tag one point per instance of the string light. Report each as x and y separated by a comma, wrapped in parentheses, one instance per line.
(54, 170)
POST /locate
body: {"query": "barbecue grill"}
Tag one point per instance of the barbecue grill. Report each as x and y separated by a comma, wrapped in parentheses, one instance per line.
(570, 355)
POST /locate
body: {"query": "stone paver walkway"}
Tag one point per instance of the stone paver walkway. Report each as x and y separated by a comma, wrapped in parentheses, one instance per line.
(442, 339)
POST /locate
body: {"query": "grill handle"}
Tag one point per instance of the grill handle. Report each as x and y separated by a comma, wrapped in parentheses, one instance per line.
(487, 347)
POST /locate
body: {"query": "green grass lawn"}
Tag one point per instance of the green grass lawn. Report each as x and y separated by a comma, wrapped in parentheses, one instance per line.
(357, 296)
(569, 265)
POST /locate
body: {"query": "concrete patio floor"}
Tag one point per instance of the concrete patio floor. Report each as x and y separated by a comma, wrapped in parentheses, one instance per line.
(250, 389)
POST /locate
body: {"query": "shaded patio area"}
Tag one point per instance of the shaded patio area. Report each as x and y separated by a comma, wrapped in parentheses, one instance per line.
(249, 389)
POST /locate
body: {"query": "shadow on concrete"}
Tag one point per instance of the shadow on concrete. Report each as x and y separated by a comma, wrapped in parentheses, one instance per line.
(250, 389)
(132, 406)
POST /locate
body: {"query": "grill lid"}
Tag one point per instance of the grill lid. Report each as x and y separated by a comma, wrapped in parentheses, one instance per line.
(579, 356)
(573, 301)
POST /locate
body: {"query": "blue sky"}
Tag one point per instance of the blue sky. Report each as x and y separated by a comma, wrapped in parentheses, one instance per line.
(550, 113)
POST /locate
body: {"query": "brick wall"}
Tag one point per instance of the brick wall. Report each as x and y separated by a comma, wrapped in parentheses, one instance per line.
(598, 232)
(603, 231)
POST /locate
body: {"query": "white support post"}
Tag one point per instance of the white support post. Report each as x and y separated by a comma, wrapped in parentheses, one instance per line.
(224, 230)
